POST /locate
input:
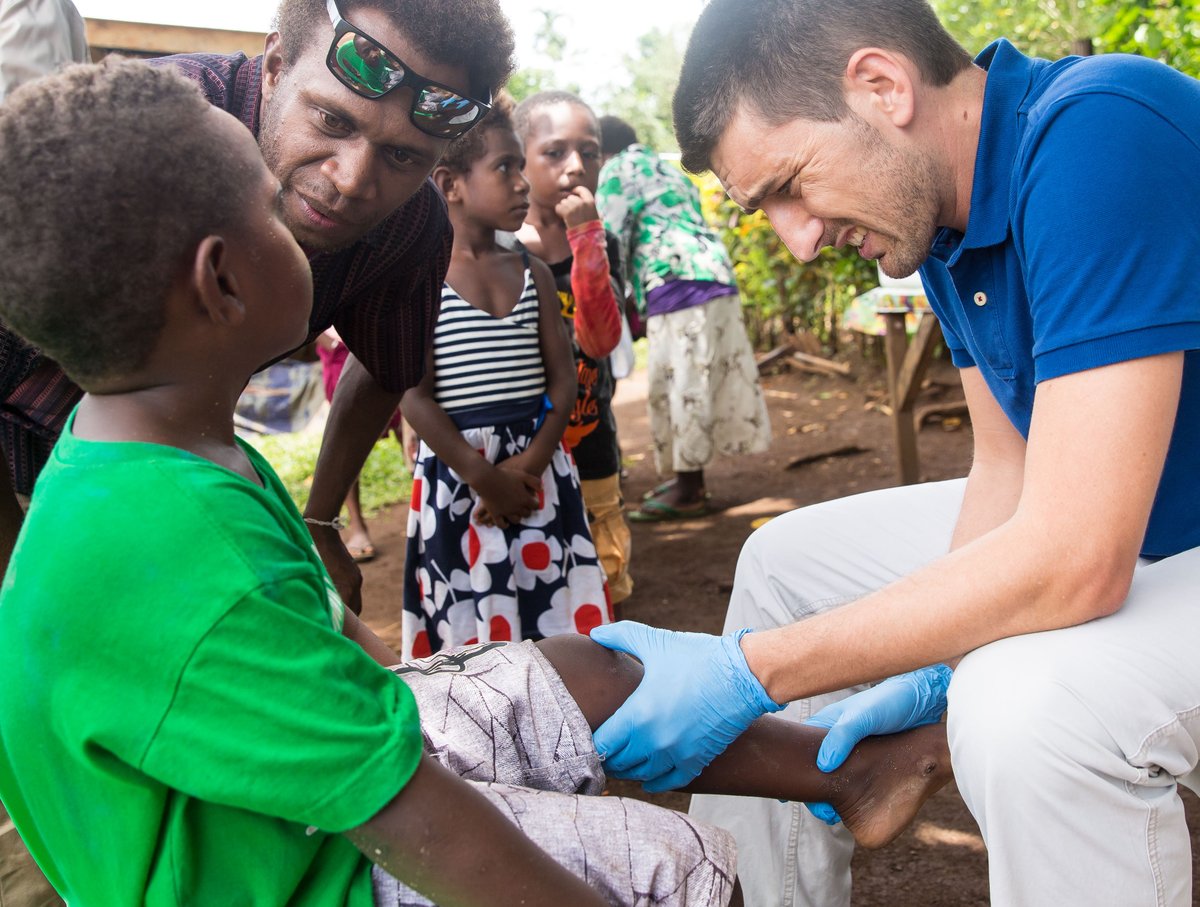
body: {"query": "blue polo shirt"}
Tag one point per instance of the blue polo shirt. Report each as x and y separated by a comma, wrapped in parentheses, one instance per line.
(1082, 246)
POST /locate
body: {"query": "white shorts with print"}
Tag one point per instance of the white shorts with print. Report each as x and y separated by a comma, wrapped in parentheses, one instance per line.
(498, 715)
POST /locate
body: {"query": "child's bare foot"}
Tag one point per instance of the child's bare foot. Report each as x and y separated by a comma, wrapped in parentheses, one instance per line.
(360, 547)
(881, 786)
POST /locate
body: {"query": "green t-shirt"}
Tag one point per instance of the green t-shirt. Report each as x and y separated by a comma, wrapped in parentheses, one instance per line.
(179, 712)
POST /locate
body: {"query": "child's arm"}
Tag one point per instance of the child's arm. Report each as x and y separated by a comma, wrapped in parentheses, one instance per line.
(508, 495)
(443, 838)
(597, 310)
(561, 376)
(357, 631)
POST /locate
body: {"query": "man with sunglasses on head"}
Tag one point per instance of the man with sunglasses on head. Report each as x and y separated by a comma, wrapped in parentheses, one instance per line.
(352, 105)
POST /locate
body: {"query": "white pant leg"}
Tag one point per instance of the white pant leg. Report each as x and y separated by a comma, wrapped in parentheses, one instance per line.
(1067, 746)
(799, 564)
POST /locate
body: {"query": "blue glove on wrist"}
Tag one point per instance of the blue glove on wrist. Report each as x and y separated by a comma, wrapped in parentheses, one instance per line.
(697, 695)
(897, 704)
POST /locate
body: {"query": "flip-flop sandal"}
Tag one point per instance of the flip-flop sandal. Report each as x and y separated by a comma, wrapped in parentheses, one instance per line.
(658, 490)
(363, 554)
(653, 511)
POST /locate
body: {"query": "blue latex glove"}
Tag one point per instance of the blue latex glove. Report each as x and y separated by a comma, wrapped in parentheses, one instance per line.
(897, 704)
(696, 696)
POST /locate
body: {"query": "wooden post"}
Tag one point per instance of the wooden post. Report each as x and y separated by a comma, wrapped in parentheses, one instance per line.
(906, 366)
(895, 345)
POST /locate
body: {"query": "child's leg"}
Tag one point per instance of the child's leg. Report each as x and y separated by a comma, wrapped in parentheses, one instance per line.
(877, 791)
(499, 716)
(358, 540)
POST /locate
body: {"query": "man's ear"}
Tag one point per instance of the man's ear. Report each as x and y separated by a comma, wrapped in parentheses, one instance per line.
(214, 283)
(446, 181)
(272, 65)
(880, 83)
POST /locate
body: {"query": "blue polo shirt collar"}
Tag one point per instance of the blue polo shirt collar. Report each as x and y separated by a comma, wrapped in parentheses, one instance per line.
(1010, 75)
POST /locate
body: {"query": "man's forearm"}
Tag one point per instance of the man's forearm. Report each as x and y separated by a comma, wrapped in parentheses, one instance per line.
(1020, 578)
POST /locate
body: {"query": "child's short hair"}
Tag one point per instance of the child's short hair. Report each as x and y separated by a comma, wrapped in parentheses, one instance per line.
(111, 177)
(616, 135)
(465, 150)
(523, 115)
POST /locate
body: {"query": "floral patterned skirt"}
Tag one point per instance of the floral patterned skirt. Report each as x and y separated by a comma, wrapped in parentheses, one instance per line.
(465, 582)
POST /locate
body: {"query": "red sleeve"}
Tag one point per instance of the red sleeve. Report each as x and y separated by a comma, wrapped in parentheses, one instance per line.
(597, 314)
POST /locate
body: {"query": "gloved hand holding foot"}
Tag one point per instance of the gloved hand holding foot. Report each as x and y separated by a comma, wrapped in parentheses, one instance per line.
(897, 704)
(696, 696)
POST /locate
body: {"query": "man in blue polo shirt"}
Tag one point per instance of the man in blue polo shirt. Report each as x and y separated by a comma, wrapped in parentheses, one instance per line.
(1052, 210)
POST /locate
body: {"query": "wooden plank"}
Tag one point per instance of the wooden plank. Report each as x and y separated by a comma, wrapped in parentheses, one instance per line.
(916, 361)
(774, 356)
(147, 39)
(903, 430)
(823, 364)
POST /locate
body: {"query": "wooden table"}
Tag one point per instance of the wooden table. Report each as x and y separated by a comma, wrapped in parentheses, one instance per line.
(892, 314)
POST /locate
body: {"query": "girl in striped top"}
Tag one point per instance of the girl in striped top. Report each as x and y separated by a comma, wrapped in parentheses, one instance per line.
(498, 540)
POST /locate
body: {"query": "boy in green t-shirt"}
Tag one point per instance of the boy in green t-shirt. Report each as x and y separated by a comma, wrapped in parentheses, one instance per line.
(188, 713)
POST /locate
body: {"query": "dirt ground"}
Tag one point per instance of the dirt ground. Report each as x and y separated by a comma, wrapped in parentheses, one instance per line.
(940, 861)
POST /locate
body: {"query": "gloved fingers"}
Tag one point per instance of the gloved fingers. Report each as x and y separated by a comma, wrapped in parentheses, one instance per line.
(625, 636)
(640, 766)
(677, 777)
(838, 743)
(614, 740)
(824, 812)
(829, 715)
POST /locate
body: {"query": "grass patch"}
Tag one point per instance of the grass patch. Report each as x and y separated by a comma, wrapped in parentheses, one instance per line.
(384, 479)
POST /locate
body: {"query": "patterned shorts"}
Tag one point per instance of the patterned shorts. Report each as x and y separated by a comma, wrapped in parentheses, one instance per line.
(704, 397)
(498, 715)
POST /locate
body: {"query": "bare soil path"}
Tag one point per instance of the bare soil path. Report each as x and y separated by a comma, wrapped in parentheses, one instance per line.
(683, 573)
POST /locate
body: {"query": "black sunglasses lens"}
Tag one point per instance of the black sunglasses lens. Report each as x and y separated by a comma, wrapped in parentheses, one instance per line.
(371, 70)
(364, 66)
(441, 112)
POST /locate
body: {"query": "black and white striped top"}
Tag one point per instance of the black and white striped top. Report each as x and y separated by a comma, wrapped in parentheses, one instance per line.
(481, 360)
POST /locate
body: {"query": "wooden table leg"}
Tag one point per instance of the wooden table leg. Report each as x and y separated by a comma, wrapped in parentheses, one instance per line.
(906, 366)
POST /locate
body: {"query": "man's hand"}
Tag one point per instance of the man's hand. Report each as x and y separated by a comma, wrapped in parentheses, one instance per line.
(342, 570)
(897, 704)
(577, 208)
(696, 697)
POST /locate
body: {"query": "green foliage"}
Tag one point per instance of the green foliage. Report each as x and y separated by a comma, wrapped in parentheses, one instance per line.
(645, 102)
(384, 479)
(551, 43)
(1166, 30)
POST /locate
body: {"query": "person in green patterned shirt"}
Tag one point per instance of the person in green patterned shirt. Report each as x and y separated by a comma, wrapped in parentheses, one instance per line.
(704, 397)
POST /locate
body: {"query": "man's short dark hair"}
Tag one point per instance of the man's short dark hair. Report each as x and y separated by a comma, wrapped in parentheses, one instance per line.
(523, 115)
(615, 135)
(465, 150)
(473, 34)
(112, 175)
(787, 60)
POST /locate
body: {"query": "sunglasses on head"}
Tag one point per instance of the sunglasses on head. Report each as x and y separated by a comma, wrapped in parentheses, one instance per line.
(369, 69)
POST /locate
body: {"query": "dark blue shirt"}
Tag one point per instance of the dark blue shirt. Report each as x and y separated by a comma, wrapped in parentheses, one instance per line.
(1082, 244)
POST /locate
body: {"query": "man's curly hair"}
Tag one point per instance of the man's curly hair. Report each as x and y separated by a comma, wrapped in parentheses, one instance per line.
(473, 34)
(465, 150)
(111, 178)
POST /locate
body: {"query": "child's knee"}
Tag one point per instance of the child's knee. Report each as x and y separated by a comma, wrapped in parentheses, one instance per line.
(598, 678)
